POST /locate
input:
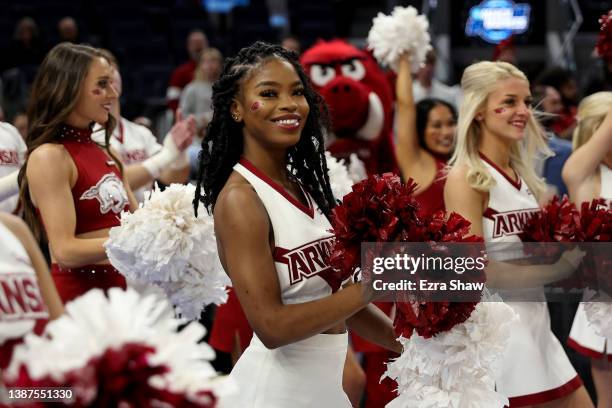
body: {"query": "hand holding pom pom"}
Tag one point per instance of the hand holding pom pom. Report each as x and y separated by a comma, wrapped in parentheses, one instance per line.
(402, 32)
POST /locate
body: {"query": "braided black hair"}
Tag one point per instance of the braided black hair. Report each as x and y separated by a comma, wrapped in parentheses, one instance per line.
(223, 145)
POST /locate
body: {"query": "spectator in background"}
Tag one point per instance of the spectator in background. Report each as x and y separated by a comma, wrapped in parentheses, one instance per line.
(26, 47)
(548, 100)
(196, 99)
(20, 121)
(563, 81)
(426, 86)
(291, 43)
(68, 30)
(183, 75)
(145, 160)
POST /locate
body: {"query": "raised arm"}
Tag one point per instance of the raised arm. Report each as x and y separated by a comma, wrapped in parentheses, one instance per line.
(584, 161)
(50, 188)
(243, 230)
(407, 147)
(461, 198)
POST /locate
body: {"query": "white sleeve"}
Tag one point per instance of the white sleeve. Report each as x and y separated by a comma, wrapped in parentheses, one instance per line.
(152, 146)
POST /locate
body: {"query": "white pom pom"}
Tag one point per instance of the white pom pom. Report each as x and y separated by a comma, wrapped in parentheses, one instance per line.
(339, 177)
(455, 369)
(356, 168)
(164, 244)
(94, 323)
(599, 316)
(404, 31)
(342, 177)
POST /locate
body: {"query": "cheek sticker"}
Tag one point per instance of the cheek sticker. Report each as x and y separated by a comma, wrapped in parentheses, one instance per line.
(257, 105)
(499, 110)
(97, 92)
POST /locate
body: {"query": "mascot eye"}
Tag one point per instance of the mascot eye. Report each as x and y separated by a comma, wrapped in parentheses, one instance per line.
(321, 74)
(354, 70)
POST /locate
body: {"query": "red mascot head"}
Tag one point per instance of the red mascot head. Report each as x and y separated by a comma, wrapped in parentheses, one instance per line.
(360, 99)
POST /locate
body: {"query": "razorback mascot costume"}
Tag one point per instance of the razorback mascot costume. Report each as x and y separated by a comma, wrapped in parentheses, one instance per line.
(360, 100)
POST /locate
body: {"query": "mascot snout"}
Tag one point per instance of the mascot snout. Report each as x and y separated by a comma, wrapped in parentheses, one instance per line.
(347, 117)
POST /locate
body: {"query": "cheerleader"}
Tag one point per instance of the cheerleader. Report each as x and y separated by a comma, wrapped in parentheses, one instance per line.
(28, 298)
(425, 140)
(273, 233)
(144, 158)
(588, 175)
(492, 182)
(70, 186)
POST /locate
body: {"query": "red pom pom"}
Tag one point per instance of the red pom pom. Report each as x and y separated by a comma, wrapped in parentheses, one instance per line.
(560, 221)
(379, 209)
(430, 318)
(604, 40)
(382, 209)
(596, 226)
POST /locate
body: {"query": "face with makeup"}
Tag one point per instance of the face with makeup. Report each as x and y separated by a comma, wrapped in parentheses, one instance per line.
(440, 129)
(271, 105)
(96, 96)
(507, 110)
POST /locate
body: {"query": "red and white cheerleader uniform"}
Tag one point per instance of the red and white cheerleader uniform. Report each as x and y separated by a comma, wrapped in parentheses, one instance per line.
(306, 373)
(99, 198)
(534, 368)
(582, 337)
(133, 143)
(12, 156)
(22, 309)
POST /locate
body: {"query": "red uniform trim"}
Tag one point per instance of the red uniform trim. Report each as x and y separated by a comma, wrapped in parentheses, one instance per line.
(489, 213)
(548, 395)
(585, 351)
(309, 211)
(72, 283)
(516, 184)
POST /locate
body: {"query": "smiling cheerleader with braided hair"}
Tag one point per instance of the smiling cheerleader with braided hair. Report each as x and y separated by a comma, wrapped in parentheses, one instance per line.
(263, 173)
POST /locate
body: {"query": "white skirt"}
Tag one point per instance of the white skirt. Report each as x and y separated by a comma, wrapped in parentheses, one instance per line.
(307, 373)
(535, 368)
(583, 339)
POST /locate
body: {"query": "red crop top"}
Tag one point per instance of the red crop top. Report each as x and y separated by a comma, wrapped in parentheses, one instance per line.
(99, 195)
(432, 198)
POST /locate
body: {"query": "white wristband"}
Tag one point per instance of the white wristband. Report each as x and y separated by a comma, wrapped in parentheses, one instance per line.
(9, 185)
(168, 154)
